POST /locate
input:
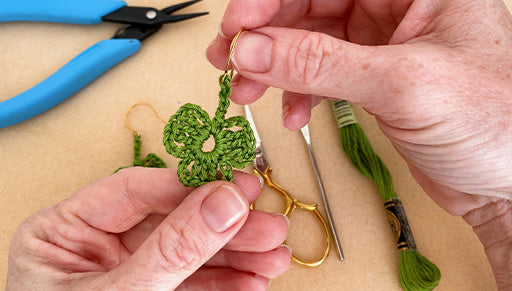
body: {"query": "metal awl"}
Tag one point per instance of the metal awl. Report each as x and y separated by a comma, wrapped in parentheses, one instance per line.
(307, 139)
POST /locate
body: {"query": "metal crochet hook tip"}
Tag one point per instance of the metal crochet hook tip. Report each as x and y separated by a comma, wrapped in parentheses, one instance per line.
(307, 139)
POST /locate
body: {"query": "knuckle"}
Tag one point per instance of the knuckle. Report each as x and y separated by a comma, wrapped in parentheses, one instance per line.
(180, 247)
(309, 59)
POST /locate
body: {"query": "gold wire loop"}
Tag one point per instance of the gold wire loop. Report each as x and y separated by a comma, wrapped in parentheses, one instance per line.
(127, 121)
(231, 50)
(291, 205)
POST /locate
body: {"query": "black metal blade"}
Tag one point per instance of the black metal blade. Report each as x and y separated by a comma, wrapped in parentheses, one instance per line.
(136, 31)
(179, 17)
(146, 16)
(174, 8)
(144, 21)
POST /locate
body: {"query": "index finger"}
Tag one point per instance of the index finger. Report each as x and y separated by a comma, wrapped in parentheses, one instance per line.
(118, 202)
(251, 14)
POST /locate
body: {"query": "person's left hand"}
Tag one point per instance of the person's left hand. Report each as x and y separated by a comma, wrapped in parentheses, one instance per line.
(140, 229)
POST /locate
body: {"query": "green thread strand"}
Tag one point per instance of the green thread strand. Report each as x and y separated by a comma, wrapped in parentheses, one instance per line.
(150, 161)
(190, 127)
(416, 273)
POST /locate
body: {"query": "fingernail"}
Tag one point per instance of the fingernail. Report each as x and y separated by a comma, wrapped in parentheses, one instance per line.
(285, 218)
(262, 182)
(287, 247)
(235, 80)
(219, 29)
(286, 111)
(223, 208)
(214, 42)
(253, 52)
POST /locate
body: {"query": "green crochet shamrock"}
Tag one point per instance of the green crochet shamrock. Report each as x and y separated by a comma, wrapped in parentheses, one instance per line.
(191, 126)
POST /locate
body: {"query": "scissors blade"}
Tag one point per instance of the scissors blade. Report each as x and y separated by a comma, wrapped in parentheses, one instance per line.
(250, 119)
(260, 161)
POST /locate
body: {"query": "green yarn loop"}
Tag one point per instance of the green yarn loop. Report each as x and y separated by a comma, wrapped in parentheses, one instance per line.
(190, 127)
(150, 161)
(416, 273)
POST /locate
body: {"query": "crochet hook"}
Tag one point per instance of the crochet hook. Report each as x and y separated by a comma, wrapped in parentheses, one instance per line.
(307, 139)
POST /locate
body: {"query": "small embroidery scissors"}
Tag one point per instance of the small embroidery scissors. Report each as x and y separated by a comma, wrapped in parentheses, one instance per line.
(139, 23)
(262, 169)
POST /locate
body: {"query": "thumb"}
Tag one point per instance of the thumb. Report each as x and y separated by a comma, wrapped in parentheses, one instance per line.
(315, 63)
(197, 229)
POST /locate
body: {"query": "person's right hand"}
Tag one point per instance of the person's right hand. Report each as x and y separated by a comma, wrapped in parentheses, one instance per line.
(436, 74)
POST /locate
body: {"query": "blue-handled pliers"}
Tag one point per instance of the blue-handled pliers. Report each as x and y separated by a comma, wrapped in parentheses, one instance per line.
(140, 22)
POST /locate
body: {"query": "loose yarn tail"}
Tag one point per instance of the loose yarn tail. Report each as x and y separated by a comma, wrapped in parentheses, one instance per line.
(415, 271)
(150, 161)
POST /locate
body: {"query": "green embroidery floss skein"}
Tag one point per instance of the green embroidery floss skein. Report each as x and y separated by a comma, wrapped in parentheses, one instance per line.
(190, 127)
(416, 273)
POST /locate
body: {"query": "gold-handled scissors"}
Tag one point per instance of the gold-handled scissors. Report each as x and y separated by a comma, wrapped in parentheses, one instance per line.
(262, 169)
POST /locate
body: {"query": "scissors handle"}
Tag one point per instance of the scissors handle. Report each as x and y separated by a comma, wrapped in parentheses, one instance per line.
(292, 204)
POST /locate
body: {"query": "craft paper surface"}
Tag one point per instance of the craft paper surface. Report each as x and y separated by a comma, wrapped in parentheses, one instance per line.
(48, 158)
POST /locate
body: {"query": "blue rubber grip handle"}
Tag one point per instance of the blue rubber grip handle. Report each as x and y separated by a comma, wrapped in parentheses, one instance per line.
(65, 11)
(75, 75)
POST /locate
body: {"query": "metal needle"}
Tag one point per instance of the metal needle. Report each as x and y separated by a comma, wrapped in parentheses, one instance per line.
(305, 134)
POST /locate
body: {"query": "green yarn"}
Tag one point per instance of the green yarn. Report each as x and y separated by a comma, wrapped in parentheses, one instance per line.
(360, 152)
(416, 273)
(190, 127)
(150, 161)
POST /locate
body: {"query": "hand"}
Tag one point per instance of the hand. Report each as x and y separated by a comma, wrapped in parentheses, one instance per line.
(436, 74)
(140, 229)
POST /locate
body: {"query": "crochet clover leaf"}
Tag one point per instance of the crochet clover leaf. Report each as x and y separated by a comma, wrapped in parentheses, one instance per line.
(190, 127)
